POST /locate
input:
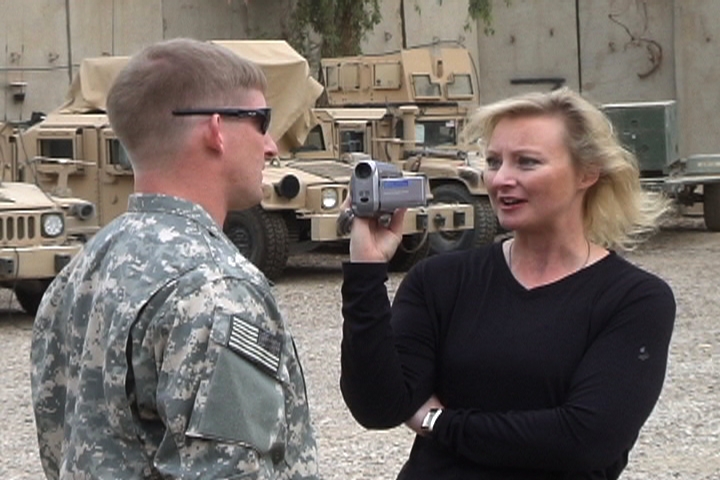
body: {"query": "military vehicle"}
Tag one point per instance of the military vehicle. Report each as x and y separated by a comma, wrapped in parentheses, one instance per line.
(426, 94)
(39, 233)
(650, 130)
(302, 197)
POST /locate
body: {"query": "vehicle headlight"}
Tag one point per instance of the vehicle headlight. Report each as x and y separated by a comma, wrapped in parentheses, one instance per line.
(53, 225)
(329, 198)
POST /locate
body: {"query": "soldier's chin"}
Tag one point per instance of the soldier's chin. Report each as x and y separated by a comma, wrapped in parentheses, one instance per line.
(245, 202)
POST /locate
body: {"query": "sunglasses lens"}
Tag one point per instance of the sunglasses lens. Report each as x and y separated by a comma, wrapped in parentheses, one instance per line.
(266, 121)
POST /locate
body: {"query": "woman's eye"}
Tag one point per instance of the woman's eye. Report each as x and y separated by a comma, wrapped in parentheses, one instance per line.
(528, 162)
(493, 163)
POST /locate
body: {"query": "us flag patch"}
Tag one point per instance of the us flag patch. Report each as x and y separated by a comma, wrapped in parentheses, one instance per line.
(257, 345)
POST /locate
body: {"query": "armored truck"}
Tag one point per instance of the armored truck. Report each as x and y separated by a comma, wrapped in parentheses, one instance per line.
(302, 197)
(39, 232)
(426, 94)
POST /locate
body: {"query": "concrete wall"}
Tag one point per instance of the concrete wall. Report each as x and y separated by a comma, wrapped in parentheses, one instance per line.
(612, 50)
(206, 19)
(35, 54)
(533, 40)
(426, 22)
(627, 50)
(387, 35)
(697, 70)
(39, 51)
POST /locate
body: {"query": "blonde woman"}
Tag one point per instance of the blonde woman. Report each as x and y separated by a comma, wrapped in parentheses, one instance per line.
(536, 358)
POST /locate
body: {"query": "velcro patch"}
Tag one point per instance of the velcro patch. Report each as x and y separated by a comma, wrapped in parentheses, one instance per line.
(257, 345)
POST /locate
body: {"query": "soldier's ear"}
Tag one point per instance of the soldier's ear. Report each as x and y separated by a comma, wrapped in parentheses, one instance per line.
(212, 134)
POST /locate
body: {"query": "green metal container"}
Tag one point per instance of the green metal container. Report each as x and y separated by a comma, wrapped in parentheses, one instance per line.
(649, 129)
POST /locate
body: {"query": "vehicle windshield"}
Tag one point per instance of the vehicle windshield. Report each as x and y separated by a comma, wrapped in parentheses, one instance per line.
(431, 133)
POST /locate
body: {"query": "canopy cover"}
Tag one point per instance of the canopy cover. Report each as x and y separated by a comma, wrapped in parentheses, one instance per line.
(291, 91)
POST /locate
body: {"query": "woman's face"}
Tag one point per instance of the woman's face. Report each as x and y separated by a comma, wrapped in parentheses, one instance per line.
(530, 176)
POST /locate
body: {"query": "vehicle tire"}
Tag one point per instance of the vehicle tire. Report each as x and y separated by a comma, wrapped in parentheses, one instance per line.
(29, 293)
(485, 227)
(711, 206)
(262, 237)
(410, 251)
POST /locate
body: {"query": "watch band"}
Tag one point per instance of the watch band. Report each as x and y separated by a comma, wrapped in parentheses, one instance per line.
(430, 418)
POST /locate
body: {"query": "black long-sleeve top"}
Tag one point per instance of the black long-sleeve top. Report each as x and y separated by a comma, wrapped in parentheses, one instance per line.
(554, 382)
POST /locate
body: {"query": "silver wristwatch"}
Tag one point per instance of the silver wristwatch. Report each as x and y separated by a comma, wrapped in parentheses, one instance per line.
(430, 418)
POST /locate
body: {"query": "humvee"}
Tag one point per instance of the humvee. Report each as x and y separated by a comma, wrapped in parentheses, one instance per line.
(425, 95)
(302, 197)
(39, 232)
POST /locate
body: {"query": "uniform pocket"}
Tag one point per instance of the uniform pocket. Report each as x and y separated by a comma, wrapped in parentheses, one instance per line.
(241, 403)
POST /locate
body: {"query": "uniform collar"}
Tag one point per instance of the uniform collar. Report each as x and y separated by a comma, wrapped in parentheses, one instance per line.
(159, 203)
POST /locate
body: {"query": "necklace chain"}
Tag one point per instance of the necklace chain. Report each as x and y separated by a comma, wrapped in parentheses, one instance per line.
(587, 257)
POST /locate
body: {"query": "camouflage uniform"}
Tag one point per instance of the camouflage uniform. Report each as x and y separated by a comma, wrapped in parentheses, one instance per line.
(159, 352)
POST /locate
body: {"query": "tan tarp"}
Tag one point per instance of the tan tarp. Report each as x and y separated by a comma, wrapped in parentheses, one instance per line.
(291, 92)
(89, 88)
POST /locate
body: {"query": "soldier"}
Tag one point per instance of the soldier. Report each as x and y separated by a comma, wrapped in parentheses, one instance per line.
(159, 352)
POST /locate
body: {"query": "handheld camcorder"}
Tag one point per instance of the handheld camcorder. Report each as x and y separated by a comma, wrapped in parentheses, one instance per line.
(378, 188)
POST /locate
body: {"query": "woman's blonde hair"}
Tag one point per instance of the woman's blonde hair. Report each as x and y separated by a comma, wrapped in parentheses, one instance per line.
(618, 213)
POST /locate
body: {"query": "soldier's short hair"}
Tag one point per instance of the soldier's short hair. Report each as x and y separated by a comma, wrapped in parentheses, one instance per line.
(175, 74)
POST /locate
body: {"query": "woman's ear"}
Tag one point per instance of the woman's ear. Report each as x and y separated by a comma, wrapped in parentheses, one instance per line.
(589, 176)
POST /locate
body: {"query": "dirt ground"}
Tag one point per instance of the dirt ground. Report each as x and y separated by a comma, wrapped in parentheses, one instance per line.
(681, 440)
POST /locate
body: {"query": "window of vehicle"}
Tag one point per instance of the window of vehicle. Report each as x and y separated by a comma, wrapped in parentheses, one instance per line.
(424, 87)
(56, 148)
(118, 154)
(352, 141)
(431, 133)
(314, 140)
(460, 87)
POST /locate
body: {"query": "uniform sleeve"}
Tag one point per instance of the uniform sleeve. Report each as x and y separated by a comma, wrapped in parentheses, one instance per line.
(219, 384)
(611, 394)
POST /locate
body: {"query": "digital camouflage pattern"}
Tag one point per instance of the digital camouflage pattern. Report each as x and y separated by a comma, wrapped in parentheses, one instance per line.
(159, 352)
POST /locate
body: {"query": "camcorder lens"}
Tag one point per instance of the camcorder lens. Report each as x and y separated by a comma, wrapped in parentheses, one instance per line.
(363, 170)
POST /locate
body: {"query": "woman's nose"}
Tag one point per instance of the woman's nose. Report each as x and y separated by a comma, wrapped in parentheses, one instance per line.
(502, 175)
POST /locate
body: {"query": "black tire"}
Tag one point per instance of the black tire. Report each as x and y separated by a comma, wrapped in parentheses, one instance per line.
(29, 293)
(485, 227)
(486, 222)
(711, 206)
(262, 237)
(410, 251)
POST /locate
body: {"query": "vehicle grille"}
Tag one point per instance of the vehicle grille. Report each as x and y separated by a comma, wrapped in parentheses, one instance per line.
(19, 228)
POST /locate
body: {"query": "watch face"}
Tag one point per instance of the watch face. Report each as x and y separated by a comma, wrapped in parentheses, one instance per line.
(429, 419)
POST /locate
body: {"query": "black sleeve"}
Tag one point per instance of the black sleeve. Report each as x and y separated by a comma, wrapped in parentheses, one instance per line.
(384, 379)
(612, 393)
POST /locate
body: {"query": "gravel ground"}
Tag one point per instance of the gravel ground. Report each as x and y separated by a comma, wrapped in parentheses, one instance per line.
(681, 440)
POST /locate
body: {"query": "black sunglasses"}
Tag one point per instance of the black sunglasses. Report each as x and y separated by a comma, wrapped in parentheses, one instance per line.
(262, 115)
